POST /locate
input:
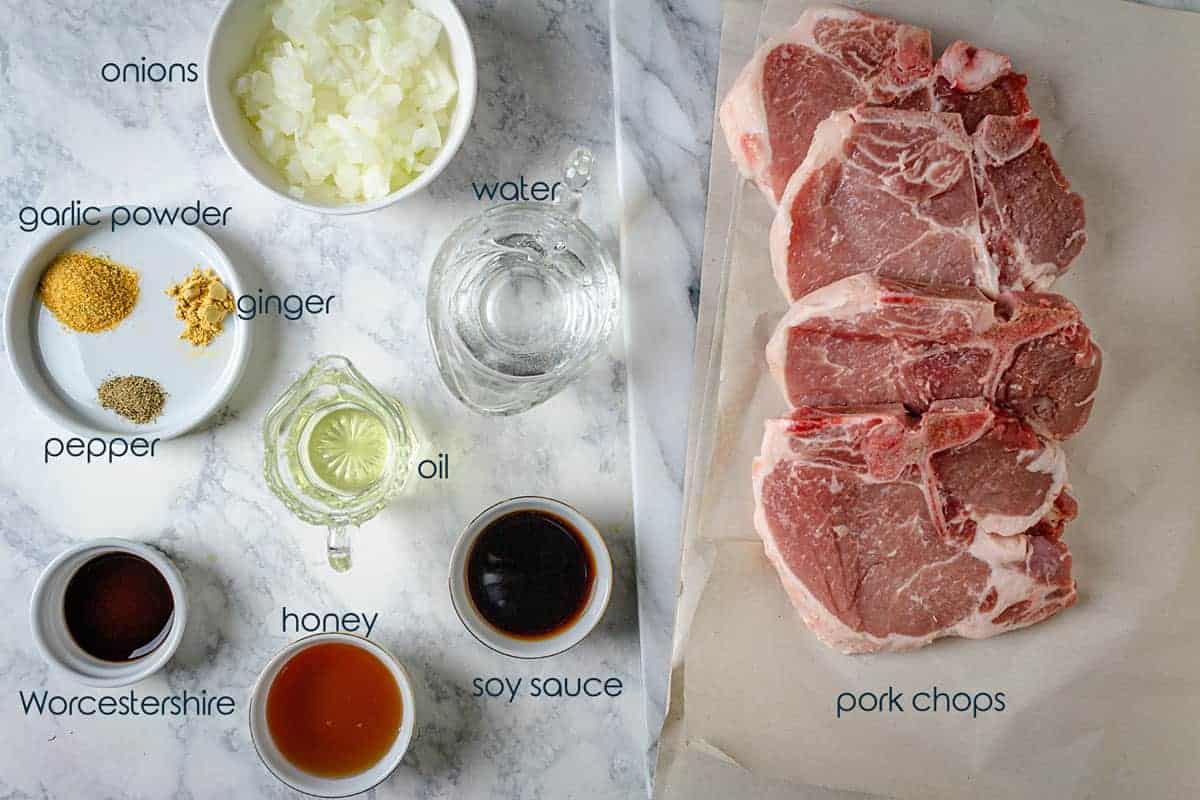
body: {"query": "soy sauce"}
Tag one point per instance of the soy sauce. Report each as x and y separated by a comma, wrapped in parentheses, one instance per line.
(530, 574)
(118, 607)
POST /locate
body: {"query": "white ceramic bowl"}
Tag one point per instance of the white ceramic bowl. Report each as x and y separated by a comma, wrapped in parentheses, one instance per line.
(301, 781)
(230, 47)
(573, 634)
(61, 370)
(49, 624)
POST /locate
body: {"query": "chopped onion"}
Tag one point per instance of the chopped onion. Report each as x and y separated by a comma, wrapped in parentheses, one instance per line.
(351, 99)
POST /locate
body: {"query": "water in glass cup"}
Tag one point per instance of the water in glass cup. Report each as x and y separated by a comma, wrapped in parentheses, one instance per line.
(521, 298)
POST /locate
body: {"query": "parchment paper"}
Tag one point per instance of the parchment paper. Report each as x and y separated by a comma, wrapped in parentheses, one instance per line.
(1103, 701)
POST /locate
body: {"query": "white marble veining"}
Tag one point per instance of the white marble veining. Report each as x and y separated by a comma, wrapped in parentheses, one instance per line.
(664, 61)
(545, 78)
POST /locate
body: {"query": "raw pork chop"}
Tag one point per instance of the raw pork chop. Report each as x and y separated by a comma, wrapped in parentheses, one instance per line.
(882, 191)
(836, 58)
(976, 83)
(866, 340)
(889, 532)
(907, 194)
(831, 59)
(1032, 221)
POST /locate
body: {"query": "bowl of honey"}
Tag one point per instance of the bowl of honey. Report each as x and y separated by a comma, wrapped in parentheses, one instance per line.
(332, 714)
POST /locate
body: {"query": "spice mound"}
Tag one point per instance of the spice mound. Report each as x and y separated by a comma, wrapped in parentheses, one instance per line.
(202, 302)
(88, 293)
(135, 398)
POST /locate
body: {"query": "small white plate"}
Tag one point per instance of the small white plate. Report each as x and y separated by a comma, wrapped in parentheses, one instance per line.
(61, 370)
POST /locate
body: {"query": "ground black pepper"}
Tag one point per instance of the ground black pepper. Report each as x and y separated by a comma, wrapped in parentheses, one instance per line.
(136, 398)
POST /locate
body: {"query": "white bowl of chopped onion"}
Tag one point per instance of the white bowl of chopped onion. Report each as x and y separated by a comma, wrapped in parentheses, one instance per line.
(341, 106)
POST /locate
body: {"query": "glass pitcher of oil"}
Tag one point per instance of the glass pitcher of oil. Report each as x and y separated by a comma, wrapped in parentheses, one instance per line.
(337, 451)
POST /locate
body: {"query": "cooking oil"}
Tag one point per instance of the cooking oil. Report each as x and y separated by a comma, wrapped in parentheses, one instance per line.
(347, 449)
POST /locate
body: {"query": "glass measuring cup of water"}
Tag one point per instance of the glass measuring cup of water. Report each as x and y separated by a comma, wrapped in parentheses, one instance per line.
(521, 299)
(337, 450)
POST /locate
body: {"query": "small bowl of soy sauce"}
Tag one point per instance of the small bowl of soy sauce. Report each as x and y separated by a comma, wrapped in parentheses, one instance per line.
(530, 577)
(109, 612)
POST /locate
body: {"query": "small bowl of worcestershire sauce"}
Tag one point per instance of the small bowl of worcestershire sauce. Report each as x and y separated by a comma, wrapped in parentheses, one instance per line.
(530, 577)
(108, 612)
(332, 714)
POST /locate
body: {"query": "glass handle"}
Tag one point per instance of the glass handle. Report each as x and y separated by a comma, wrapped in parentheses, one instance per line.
(338, 548)
(577, 171)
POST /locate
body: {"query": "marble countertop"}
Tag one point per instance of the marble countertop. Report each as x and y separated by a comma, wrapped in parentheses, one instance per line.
(664, 67)
(547, 73)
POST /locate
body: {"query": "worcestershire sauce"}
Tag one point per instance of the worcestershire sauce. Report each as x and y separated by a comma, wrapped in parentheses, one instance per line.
(529, 574)
(118, 607)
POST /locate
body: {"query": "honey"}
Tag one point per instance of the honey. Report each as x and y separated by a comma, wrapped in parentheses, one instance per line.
(334, 710)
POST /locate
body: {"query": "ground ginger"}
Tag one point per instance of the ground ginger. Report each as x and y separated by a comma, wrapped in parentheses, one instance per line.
(202, 302)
